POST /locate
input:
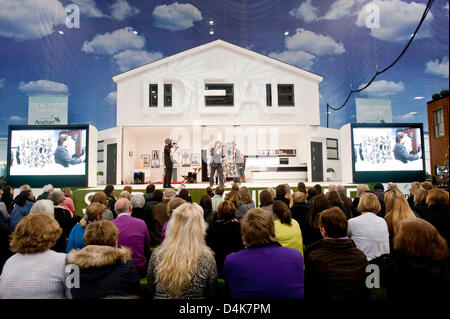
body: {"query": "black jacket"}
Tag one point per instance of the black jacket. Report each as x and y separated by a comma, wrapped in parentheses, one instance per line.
(5, 253)
(439, 218)
(283, 199)
(401, 154)
(299, 211)
(66, 222)
(143, 214)
(104, 272)
(63, 158)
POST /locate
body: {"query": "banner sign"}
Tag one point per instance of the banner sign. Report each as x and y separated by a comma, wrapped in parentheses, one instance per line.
(373, 110)
(47, 109)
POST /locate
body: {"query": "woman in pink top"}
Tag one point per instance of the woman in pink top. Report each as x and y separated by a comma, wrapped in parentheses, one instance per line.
(68, 202)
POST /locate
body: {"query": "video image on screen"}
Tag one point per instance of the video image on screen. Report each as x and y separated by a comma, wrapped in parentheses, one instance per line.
(48, 152)
(387, 149)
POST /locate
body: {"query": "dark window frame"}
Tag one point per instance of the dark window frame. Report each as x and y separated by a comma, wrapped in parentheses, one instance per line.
(333, 148)
(268, 94)
(438, 117)
(284, 95)
(210, 99)
(152, 98)
(168, 99)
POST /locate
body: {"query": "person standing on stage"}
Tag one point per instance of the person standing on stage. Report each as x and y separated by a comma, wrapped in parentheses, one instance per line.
(217, 154)
(239, 159)
(168, 152)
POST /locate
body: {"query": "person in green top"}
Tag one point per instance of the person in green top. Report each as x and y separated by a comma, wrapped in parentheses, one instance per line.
(287, 229)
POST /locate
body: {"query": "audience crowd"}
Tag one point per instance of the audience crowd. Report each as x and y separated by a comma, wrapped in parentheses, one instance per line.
(314, 244)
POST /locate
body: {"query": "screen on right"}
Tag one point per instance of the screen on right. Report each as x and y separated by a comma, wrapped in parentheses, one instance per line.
(387, 149)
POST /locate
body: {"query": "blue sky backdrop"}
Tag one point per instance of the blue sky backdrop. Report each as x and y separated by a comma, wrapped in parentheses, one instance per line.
(39, 54)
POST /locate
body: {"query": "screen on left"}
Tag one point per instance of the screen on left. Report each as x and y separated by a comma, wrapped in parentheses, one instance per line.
(48, 152)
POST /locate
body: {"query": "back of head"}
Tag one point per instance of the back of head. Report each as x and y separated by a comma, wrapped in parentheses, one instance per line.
(397, 207)
(219, 190)
(257, 228)
(280, 191)
(341, 190)
(438, 197)
(150, 188)
(206, 203)
(265, 198)
(427, 185)
(299, 197)
(226, 210)
(417, 237)
(369, 203)
(234, 197)
(414, 187)
(378, 187)
(312, 192)
(184, 194)
(173, 204)
(319, 203)
(235, 187)
(22, 197)
(361, 189)
(244, 193)
(128, 188)
(282, 212)
(125, 194)
(420, 196)
(108, 189)
(334, 222)
(92, 213)
(331, 187)
(334, 199)
(137, 201)
(169, 194)
(35, 234)
(47, 188)
(209, 191)
(123, 206)
(272, 191)
(43, 206)
(57, 197)
(301, 187)
(158, 195)
(99, 197)
(102, 233)
(391, 186)
(318, 188)
(67, 191)
(25, 187)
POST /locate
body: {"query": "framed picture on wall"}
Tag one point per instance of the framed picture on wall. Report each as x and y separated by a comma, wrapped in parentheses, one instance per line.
(185, 162)
(146, 159)
(195, 159)
(155, 159)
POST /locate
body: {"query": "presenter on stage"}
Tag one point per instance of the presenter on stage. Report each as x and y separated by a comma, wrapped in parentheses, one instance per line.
(168, 163)
(217, 154)
(240, 165)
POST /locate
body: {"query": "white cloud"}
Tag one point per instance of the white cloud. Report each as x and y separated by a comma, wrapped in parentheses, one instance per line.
(121, 9)
(130, 59)
(446, 8)
(314, 43)
(383, 88)
(43, 86)
(438, 68)
(339, 9)
(398, 20)
(404, 117)
(114, 42)
(30, 19)
(2, 82)
(111, 98)
(15, 118)
(89, 8)
(298, 58)
(306, 12)
(176, 16)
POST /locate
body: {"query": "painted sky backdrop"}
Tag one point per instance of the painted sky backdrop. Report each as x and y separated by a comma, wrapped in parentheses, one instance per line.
(39, 54)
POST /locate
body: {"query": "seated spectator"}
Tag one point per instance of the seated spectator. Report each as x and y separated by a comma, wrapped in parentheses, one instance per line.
(368, 231)
(68, 202)
(209, 192)
(334, 267)
(360, 190)
(5, 253)
(418, 268)
(217, 198)
(281, 193)
(287, 230)
(318, 188)
(348, 204)
(133, 233)
(101, 198)
(310, 229)
(397, 208)
(301, 187)
(235, 187)
(23, 203)
(43, 206)
(331, 187)
(35, 271)
(438, 214)
(46, 190)
(160, 215)
(265, 270)
(266, 201)
(427, 185)
(4, 214)
(208, 214)
(391, 186)
(414, 187)
(420, 207)
(247, 202)
(8, 198)
(105, 270)
(289, 195)
(171, 206)
(149, 190)
(311, 193)
(184, 194)
(157, 198)
(138, 202)
(235, 198)
(109, 192)
(335, 201)
(64, 218)
(94, 213)
(129, 189)
(183, 266)
(300, 207)
(272, 191)
(125, 194)
(224, 236)
(378, 190)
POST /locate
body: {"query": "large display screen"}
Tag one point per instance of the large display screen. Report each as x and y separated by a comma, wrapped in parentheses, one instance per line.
(50, 151)
(394, 150)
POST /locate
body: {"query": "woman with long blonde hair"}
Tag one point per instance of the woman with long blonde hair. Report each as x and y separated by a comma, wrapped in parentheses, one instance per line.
(183, 266)
(397, 209)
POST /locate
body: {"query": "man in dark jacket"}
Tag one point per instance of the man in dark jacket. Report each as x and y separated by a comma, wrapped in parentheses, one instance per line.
(378, 190)
(334, 267)
(62, 156)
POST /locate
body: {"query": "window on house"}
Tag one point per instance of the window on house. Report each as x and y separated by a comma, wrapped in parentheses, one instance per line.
(153, 95)
(269, 94)
(332, 149)
(224, 95)
(439, 123)
(167, 95)
(285, 94)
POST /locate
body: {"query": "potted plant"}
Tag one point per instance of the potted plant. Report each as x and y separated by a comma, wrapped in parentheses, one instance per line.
(330, 174)
(100, 177)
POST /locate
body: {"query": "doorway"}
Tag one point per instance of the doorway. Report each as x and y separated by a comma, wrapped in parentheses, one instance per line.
(316, 162)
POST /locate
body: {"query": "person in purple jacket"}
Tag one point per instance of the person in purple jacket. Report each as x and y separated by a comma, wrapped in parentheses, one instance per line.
(265, 270)
(133, 233)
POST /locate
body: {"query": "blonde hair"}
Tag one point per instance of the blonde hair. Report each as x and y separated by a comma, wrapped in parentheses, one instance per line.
(369, 203)
(184, 244)
(289, 194)
(397, 208)
(414, 186)
(125, 194)
(427, 185)
(102, 233)
(299, 197)
(361, 189)
(92, 212)
(420, 195)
